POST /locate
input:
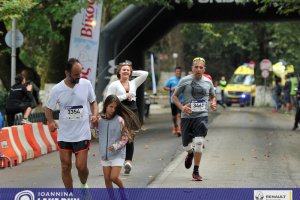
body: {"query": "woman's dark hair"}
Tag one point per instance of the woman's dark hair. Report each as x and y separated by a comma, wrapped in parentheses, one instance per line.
(70, 64)
(18, 79)
(130, 118)
(125, 63)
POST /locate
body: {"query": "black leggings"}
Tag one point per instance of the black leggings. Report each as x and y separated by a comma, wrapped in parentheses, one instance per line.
(129, 151)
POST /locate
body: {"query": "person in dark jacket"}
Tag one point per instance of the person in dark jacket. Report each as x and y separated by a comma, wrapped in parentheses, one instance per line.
(297, 116)
(19, 100)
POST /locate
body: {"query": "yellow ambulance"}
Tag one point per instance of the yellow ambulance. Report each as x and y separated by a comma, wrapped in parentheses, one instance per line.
(241, 87)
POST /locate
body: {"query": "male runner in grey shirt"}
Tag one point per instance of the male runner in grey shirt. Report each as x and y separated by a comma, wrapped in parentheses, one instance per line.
(197, 90)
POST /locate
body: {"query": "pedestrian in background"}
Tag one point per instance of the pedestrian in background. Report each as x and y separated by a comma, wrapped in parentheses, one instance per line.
(287, 94)
(297, 115)
(76, 100)
(223, 84)
(198, 92)
(19, 100)
(34, 79)
(125, 90)
(170, 87)
(294, 86)
(218, 94)
(276, 92)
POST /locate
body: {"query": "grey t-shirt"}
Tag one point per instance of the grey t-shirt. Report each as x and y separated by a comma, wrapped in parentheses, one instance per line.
(196, 93)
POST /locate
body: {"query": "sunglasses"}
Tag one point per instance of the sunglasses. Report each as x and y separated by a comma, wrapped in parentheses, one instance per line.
(200, 67)
(126, 62)
(198, 58)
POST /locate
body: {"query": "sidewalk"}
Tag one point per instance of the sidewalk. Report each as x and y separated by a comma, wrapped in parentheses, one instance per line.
(252, 164)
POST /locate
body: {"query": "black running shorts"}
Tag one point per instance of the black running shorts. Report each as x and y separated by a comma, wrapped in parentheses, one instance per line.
(75, 147)
(193, 127)
(175, 110)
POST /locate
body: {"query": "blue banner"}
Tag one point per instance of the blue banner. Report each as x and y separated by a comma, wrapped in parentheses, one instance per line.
(148, 194)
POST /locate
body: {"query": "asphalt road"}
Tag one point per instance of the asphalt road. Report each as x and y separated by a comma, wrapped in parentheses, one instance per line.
(246, 147)
(155, 147)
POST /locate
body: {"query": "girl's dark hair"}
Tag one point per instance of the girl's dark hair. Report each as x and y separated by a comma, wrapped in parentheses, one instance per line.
(18, 79)
(130, 118)
(125, 63)
(70, 64)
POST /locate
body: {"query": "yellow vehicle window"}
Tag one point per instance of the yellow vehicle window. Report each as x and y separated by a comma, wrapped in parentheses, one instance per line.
(243, 79)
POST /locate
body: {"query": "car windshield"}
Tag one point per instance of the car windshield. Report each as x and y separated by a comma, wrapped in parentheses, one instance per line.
(244, 79)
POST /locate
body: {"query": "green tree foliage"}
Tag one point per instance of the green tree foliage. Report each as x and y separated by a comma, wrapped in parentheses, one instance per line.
(46, 26)
(226, 46)
(284, 7)
(10, 9)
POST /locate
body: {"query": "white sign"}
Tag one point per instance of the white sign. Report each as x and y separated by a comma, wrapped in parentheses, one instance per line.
(84, 42)
(273, 194)
(19, 38)
(265, 73)
(265, 64)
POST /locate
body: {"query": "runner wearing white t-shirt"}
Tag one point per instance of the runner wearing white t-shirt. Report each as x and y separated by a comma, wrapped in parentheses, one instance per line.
(73, 95)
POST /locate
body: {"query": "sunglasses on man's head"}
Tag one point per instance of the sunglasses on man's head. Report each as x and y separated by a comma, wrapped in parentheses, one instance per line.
(199, 58)
(200, 67)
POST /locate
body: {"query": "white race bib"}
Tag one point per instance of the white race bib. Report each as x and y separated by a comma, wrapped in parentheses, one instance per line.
(74, 112)
(198, 105)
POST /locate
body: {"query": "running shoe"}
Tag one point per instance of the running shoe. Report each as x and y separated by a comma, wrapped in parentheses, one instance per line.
(127, 168)
(174, 130)
(85, 193)
(179, 132)
(25, 121)
(197, 177)
(189, 160)
(84, 186)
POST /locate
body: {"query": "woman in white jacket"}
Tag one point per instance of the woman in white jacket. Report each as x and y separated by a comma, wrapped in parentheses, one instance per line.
(125, 90)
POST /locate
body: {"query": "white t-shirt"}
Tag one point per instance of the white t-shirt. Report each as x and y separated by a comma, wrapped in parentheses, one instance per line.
(74, 106)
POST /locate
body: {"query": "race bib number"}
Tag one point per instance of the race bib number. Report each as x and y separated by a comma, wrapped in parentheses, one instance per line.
(74, 112)
(198, 105)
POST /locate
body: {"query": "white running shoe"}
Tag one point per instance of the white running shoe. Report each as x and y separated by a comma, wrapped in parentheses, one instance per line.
(127, 168)
(25, 121)
(85, 186)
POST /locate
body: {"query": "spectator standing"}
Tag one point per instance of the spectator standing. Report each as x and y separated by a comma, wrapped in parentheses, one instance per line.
(35, 82)
(294, 86)
(276, 92)
(218, 94)
(19, 100)
(223, 84)
(287, 94)
(297, 116)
